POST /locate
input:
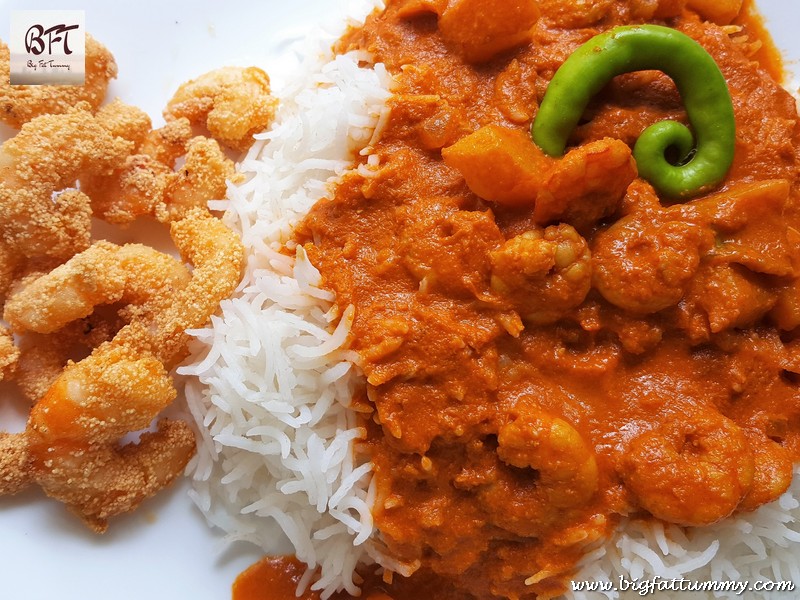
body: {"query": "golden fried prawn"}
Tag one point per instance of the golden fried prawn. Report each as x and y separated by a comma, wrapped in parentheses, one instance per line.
(9, 261)
(125, 121)
(15, 463)
(129, 306)
(71, 443)
(9, 354)
(217, 256)
(48, 155)
(116, 479)
(103, 397)
(146, 186)
(203, 177)
(141, 183)
(168, 143)
(42, 359)
(73, 430)
(22, 103)
(105, 273)
(234, 103)
(44, 356)
(130, 192)
(59, 309)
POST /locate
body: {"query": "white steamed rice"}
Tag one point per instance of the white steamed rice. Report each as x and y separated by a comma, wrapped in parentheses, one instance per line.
(271, 383)
(763, 546)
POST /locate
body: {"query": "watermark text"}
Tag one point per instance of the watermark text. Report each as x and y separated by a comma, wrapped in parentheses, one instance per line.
(645, 587)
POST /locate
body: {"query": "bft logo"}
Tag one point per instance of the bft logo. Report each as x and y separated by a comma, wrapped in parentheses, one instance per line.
(48, 47)
(37, 39)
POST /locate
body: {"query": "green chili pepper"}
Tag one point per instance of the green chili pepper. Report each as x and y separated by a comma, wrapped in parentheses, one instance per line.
(704, 163)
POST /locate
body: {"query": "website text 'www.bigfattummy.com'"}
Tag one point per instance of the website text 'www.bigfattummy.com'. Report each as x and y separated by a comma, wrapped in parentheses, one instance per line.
(645, 587)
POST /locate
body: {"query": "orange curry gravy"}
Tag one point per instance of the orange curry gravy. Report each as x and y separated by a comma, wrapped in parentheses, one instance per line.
(534, 374)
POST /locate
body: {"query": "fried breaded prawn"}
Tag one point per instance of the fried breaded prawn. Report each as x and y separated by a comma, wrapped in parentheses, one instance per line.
(103, 274)
(203, 177)
(15, 467)
(233, 103)
(59, 310)
(73, 431)
(72, 207)
(21, 103)
(9, 261)
(43, 356)
(9, 354)
(71, 443)
(131, 192)
(125, 121)
(146, 186)
(168, 143)
(128, 307)
(217, 254)
(116, 479)
(48, 155)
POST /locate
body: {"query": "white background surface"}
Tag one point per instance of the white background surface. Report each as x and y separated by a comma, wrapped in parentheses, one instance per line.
(165, 550)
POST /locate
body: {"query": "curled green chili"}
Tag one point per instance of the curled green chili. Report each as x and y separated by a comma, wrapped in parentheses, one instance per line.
(705, 158)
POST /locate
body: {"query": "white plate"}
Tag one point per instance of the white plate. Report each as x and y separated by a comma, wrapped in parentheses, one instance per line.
(165, 550)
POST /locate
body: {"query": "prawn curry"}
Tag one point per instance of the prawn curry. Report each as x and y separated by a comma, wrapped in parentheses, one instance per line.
(549, 343)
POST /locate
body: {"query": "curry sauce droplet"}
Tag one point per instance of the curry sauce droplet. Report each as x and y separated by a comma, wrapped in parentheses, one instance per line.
(276, 578)
(272, 578)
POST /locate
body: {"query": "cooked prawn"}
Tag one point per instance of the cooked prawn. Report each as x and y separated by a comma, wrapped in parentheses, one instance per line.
(105, 273)
(575, 14)
(72, 434)
(772, 474)
(71, 444)
(544, 273)
(604, 169)
(146, 186)
(125, 121)
(130, 192)
(135, 189)
(711, 447)
(9, 261)
(129, 306)
(217, 255)
(203, 177)
(43, 356)
(15, 463)
(234, 103)
(720, 12)
(22, 103)
(646, 260)
(166, 144)
(503, 165)
(565, 463)
(648, 10)
(9, 354)
(47, 156)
